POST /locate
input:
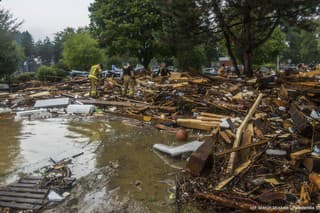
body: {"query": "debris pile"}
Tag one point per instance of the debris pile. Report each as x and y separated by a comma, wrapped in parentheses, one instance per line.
(36, 192)
(267, 163)
(256, 139)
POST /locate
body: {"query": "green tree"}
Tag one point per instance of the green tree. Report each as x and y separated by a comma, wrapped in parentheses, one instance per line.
(182, 33)
(7, 22)
(294, 40)
(310, 51)
(10, 54)
(247, 25)
(26, 42)
(60, 38)
(80, 51)
(44, 50)
(273, 47)
(127, 27)
(303, 45)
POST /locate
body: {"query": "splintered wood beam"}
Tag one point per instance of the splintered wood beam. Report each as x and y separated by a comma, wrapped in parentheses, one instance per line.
(240, 130)
(241, 169)
(222, 154)
(202, 118)
(197, 124)
(227, 202)
(212, 115)
(127, 104)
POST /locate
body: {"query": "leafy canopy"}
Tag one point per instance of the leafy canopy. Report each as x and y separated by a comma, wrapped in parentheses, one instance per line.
(80, 51)
(10, 53)
(127, 27)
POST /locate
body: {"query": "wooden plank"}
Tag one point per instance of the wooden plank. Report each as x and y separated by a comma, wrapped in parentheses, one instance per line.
(203, 118)
(20, 205)
(177, 85)
(206, 114)
(246, 140)
(222, 154)
(21, 200)
(32, 190)
(197, 124)
(127, 104)
(32, 178)
(225, 136)
(24, 185)
(299, 154)
(140, 117)
(200, 158)
(242, 168)
(26, 181)
(22, 194)
(242, 127)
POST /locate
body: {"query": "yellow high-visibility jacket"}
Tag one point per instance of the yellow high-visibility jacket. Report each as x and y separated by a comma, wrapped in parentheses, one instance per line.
(95, 71)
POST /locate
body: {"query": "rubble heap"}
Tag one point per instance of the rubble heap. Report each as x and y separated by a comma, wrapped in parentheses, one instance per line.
(261, 135)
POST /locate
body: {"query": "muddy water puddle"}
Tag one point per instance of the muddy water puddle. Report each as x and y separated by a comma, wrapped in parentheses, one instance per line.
(126, 145)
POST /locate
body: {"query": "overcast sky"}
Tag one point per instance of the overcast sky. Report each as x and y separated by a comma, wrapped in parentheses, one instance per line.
(45, 17)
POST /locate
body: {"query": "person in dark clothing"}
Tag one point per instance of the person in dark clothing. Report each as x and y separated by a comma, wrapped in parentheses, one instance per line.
(128, 76)
(163, 71)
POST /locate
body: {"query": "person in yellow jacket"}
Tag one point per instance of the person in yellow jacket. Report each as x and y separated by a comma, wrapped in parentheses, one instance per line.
(129, 80)
(94, 76)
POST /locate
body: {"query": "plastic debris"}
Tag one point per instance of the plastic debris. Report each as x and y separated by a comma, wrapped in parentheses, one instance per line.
(49, 103)
(178, 150)
(80, 109)
(54, 197)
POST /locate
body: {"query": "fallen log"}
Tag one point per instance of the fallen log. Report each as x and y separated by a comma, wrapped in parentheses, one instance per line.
(239, 133)
(126, 104)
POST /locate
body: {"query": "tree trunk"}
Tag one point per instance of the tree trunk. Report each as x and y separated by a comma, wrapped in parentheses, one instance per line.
(230, 52)
(247, 60)
(146, 64)
(247, 50)
(144, 60)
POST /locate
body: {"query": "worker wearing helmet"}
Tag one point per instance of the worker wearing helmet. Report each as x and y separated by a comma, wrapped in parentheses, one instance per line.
(128, 76)
(94, 76)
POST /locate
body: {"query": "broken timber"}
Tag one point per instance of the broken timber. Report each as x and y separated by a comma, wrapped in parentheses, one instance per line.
(200, 159)
(197, 124)
(24, 195)
(127, 104)
(239, 133)
(241, 169)
(221, 154)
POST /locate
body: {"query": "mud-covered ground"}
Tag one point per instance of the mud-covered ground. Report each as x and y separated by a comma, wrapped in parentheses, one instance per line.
(91, 194)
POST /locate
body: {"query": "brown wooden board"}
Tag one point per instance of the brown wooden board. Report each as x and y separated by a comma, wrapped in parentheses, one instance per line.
(21, 200)
(28, 181)
(33, 190)
(22, 194)
(24, 185)
(20, 205)
(32, 178)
